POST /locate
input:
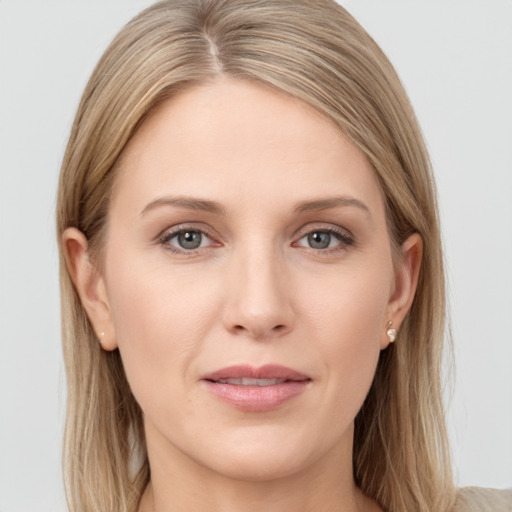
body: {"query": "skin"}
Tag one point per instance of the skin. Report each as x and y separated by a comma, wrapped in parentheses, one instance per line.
(254, 292)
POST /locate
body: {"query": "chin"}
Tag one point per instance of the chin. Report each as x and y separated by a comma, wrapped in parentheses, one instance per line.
(260, 467)
(263, 454)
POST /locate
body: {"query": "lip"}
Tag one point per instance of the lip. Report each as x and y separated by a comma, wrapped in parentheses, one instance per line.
(255, 398)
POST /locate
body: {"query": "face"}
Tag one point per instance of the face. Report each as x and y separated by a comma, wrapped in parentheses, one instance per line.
(247, 281)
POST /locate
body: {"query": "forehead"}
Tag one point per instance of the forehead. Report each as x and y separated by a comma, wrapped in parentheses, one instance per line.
(234, 140)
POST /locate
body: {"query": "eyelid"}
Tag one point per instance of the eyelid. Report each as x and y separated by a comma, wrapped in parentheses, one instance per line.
(169, 233)
(344, 236)
(324, 226)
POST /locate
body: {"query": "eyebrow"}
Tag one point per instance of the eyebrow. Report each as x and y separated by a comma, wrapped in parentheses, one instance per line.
(331, 202)
(190, 203)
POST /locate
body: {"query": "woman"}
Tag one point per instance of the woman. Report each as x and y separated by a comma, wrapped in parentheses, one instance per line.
(247, 219)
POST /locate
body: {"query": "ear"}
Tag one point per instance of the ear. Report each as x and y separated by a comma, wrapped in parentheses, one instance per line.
(90, 286)
(405, 283)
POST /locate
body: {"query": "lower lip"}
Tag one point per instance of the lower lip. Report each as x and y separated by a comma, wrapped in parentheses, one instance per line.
(256, 398)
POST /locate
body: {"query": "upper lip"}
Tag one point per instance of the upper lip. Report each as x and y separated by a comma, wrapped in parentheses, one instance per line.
(268, 371)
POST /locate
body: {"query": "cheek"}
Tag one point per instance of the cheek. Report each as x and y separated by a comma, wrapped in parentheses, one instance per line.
(157, 325)
(349, 323)
(351, 307)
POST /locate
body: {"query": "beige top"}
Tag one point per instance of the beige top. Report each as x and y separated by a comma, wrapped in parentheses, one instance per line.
(479, 499)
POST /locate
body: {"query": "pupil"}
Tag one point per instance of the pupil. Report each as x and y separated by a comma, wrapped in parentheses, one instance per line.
(319, 240)
(189, 239)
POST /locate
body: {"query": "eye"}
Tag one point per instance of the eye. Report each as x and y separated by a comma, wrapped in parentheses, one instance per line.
(322, 239)
(186, 240)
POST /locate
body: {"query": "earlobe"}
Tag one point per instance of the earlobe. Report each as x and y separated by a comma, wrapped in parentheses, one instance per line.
(406, 282)
(90, 286)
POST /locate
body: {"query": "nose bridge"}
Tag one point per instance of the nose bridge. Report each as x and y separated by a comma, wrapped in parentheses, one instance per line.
(259, 303)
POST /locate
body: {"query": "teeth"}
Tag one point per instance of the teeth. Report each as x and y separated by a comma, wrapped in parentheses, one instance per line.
(246, 381)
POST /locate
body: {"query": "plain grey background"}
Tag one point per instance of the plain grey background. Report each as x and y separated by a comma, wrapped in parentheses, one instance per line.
(454, 57)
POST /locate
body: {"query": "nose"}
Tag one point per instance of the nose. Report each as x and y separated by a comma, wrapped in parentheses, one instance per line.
(259, 302)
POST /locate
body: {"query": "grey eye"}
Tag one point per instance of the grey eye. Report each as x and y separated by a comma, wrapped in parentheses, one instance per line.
(186, 241)
(189, 239)
(319, 239)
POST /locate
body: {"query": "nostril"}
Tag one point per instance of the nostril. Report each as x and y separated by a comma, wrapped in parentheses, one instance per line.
(258, 332)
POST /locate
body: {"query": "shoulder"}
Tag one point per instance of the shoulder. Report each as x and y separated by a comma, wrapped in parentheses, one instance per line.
(479, 499)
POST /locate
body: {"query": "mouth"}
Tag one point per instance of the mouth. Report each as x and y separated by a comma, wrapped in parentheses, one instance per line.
(253, 389)
(246, 381)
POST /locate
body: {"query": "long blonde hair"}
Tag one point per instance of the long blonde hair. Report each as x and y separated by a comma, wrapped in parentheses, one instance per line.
(313, 50)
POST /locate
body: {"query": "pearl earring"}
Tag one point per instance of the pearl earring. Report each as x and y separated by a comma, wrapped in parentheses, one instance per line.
(391, 332)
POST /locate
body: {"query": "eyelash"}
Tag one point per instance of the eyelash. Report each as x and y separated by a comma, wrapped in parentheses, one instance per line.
(167, 236)
(345, 240)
